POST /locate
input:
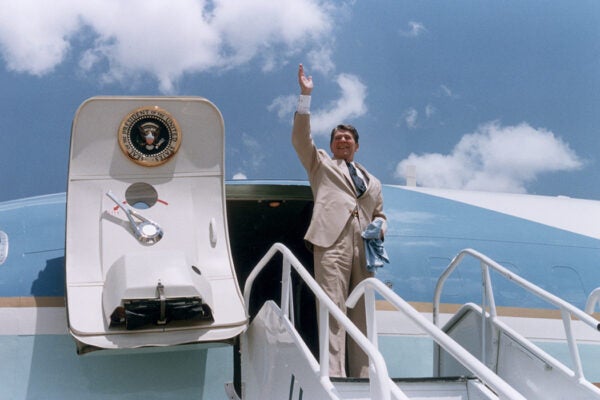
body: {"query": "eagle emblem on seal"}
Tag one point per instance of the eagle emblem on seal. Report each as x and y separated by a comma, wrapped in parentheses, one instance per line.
(149, 136)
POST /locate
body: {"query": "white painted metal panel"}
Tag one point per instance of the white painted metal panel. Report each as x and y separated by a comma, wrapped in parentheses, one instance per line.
(184, 197)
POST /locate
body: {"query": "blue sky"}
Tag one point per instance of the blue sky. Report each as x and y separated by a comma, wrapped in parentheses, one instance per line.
(479, 95)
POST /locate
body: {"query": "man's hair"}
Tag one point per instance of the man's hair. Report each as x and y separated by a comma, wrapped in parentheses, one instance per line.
(344, 127)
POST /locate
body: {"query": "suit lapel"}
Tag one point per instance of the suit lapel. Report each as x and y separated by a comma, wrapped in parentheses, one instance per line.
(365, 174)
(341, 164)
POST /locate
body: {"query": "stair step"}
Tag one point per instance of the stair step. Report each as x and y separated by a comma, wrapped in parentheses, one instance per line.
(452, 388)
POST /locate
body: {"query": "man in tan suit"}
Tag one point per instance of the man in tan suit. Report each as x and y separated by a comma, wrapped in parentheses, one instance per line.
(343, 207)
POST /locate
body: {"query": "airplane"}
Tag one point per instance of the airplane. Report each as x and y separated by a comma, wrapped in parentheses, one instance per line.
(154, 278)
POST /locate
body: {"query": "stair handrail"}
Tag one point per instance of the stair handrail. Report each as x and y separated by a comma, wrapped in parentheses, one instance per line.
(567, 310)
(371, 286)
(381, 386)
(592, 301)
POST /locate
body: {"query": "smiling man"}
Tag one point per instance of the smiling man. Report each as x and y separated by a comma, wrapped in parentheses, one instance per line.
(346, 200)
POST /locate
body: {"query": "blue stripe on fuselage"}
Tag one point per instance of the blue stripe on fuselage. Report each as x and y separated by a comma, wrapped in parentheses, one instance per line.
(424, 233)
(36, 232)
(427, 231)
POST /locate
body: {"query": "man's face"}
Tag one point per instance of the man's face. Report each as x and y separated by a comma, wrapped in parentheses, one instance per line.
(343, 146)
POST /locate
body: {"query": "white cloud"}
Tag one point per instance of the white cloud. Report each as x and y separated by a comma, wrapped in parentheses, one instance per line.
(34, 38)
(351, 104)
(321, 61)
(446, 91)
(162, 39)
(249, 27)
(410, 117)
(250, 156)
(254, 150)
(414, 29)
(429, 110)
(284, 105)
(495, 158)
(239, 176)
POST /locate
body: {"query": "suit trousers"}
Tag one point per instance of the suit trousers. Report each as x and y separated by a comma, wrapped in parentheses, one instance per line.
(338, 269)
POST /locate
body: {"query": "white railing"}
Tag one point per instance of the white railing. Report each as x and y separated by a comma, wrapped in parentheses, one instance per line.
(371, 286)
(381, 386)
(567, 310)
(592, 301)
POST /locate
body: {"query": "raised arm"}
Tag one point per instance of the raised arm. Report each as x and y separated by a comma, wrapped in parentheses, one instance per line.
(306, 83)
(301, 138)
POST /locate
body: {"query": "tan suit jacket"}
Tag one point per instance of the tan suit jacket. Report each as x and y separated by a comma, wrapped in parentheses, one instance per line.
(334, 194)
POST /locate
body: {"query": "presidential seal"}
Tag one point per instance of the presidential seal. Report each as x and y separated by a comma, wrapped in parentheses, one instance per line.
(149, 136)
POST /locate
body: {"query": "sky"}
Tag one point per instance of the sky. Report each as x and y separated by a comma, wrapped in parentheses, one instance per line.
(478, 95)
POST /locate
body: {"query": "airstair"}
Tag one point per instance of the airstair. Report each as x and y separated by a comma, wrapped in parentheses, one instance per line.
(476, 356)
(515, 359)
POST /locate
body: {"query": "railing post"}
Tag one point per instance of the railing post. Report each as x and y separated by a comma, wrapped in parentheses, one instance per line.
(285, 286)
(491, 302)
(592, 300)
(484, 296)
(323, 340)
(487, 301)
(291, 302)
(370, 316)
(566, 317)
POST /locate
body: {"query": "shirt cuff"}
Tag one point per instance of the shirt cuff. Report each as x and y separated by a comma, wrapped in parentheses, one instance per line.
(303, 104)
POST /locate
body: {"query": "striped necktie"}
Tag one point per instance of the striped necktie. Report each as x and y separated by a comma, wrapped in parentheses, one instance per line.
(358, 182)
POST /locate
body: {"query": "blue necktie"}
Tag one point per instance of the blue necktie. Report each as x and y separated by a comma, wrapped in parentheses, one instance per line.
(358, 182)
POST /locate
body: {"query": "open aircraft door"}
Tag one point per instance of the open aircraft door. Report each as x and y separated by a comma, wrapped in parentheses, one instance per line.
(148, 261)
